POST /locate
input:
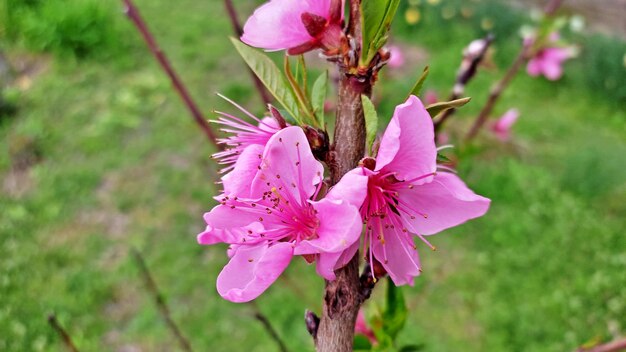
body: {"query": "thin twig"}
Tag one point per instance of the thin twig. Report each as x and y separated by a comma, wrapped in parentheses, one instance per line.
(463, 78)
(258, 315)
(160, 301)
(496, 92)
(133, 14)
(550, 10)
(234, 20)
(614, 346)
(65, 337)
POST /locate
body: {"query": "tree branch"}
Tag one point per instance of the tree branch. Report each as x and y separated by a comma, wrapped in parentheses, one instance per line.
(160, 301)
(65, 337)
(133, 14)
(342, 297)
(464, 76)
(614, 346)
(234, 20)
(258, 315)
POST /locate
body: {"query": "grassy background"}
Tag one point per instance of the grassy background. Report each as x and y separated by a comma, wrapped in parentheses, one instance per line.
(101, 156)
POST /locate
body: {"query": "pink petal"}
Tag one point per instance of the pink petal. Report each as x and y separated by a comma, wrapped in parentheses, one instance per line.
(398, 256)
(228, 225)
(446, 201)
(557, 54)
(397, 59)
(408, 145)
(502, 127)
(339, 227)
(237, 182)
(289, 163)
(252, 270)
(277, 24)
(534, 67)
(553, 70)
(352, 188)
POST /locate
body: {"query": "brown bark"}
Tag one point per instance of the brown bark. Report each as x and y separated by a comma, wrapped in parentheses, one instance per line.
(342, 297)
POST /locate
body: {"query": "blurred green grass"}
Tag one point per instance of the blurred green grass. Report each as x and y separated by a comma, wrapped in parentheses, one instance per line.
(102, 156)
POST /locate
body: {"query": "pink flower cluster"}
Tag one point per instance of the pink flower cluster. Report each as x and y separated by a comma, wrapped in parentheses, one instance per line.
(549, 60)
(272, 209)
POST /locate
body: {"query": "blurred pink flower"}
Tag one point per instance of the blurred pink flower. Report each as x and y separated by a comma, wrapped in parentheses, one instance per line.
(297, 26)
(431, 97)
(280, 218)
(406, 195)
(502, 127)
(396, 60)
(361, 328)
(548, 61)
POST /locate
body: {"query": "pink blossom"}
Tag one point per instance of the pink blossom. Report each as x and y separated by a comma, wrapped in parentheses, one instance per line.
(279, 218)
(242, 134)
(406, 195)
(502, 127)
(431, 97)
(361, 328)
(296, 25)
(396, 60)
(548, 61)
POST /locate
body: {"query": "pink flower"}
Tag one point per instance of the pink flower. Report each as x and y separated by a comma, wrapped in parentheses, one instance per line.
(243, 134)
(431, 97)
(361, 328)
(280, 218)
(296, 25)
(396, 60)
(406, 195)
(502, 127)
(548, 61)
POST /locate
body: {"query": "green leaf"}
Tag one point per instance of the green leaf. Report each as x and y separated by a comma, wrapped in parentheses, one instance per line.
(417, 88)
(318, 97)
(442, 158)
(270, 75)
(371, 121)
(437, 108)
(395, 314)
(304, 105)
(361, 343)
(376, 18)
(411, 348)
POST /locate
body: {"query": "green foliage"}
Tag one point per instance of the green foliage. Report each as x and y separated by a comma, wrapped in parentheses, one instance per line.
(270, 75)
(371, 122)
(80, 28)
(438, 108)
(318, 97)
(417, 88)
(376, 19)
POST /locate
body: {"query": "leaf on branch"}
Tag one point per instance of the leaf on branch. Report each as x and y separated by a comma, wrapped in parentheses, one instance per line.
(437, 108)
(396, 312)
(371, 121)
(270, 75)
(318, 97)
(376, 18)
(299, 92)
(417, 88)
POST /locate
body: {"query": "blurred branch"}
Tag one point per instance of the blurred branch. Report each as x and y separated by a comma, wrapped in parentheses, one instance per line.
(160, 301)
(258, 315)
(234, 20)
(133, 14)
(614, 346)
(463, 78)
(496, 92)
(65, 337)
(552, 7)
